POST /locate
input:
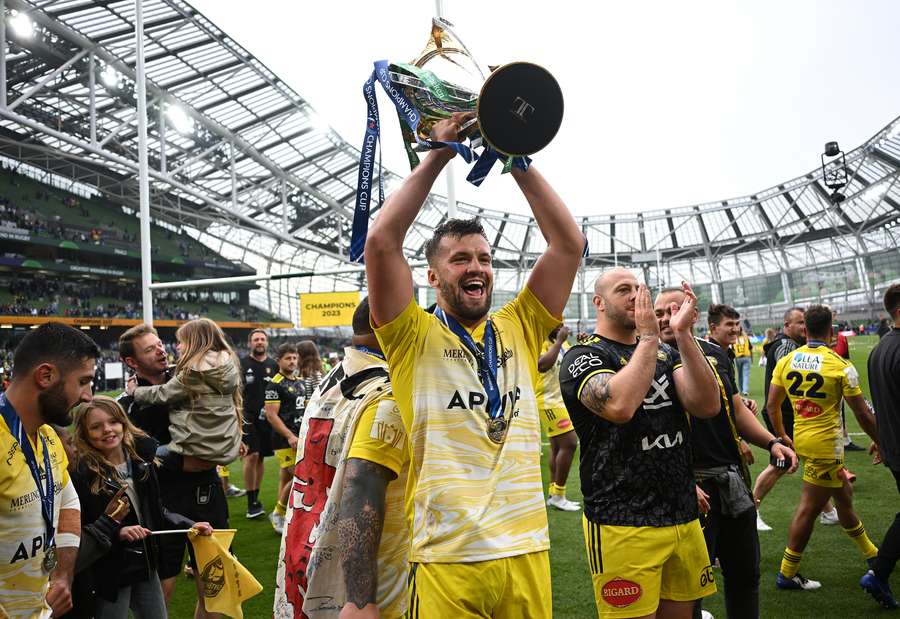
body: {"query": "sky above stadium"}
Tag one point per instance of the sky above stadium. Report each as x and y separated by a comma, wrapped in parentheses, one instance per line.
(667, 104)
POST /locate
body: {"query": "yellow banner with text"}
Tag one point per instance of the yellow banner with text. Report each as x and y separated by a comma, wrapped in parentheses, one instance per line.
(327, 309)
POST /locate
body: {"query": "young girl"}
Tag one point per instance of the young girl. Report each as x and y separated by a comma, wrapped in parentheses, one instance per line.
(309, 366)
(114, 465)
(205, 419)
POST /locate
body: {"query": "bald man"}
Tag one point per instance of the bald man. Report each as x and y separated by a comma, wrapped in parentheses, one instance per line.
(627, 394)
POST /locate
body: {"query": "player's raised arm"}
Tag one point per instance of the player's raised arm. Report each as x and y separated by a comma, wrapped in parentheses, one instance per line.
(388, 273)
(553, 274)
(695, 380)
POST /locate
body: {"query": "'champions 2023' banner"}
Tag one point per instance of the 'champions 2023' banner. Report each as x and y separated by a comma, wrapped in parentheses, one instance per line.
(327, 309)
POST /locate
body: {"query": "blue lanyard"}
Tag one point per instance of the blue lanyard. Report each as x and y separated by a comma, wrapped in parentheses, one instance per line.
(409, 115)
(47, 494)
(487, 361)
(371, 351)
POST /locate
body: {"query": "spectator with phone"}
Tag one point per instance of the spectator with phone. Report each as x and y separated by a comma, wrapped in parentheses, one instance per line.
(116, 480)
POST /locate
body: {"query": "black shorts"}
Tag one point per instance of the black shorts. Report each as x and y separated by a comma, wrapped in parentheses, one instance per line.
(258, 436)
(198, 496)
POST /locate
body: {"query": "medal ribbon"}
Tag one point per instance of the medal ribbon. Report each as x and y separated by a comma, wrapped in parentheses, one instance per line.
(371, 351)
(488, 361)
(47, 494)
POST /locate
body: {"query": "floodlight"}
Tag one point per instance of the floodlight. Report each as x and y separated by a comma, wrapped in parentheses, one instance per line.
(182, 123)
(21, 24)
(110, 77)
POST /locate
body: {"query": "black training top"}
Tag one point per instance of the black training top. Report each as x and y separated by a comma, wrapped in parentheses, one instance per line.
(257, 375)
(884, 383)
(637, 473)
(151, 418)
(713, 440)
(780, 346)
(290, 394)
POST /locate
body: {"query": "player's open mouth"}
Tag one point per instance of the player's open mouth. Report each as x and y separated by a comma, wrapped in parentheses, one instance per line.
(475, 288)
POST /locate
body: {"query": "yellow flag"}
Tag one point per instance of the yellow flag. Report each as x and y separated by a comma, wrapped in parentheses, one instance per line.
(226, 583)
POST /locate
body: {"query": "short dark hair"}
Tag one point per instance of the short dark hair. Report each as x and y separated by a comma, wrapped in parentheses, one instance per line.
(718, 312)
(892, 300)
(285, 349)
(126, 340)
(55, 343)
(791, 310)
(361, 325)
(263, 331)
(818, 322)
(456, 228)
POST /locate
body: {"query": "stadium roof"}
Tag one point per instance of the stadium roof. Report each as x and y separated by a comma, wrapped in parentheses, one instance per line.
(242, 162)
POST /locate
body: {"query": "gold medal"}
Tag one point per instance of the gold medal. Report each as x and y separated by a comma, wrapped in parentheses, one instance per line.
(496, 429)
(48, 563)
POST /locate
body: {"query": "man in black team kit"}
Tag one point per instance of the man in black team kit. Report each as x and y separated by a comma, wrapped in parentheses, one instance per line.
(285, 403)
(884, 370)
(728, 512)
(258, 369)
(627, 394)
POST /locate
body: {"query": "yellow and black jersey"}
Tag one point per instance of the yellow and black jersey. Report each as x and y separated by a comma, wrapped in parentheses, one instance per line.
(470, 498)
(23, 583)
(816, 379)
(635, 474)
(546, 389)
(289, 392)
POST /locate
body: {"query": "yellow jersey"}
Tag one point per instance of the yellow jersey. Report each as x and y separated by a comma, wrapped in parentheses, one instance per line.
(816, 380)
(23, 583)
(546, 389)
(469, 499)
(742, 346)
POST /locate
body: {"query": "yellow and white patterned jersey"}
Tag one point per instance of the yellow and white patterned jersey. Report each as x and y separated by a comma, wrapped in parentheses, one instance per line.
(23, 583)
(546, 389)
(816, 379)
(468, 498)
(742, 346)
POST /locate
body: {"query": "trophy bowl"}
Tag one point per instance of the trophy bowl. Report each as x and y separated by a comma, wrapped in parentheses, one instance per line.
(518, 106)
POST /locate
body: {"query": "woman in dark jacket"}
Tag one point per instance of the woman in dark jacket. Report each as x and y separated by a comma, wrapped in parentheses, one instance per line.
(115, 477)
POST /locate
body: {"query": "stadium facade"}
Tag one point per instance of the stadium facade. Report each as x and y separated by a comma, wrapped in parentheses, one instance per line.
(241, 164)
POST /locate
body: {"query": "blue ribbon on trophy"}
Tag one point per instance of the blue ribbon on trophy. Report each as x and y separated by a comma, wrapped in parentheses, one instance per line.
(518, 109)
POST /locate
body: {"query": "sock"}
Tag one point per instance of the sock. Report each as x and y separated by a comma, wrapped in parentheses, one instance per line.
(859, 537)
(280, 508)
(557, 490)
(252, 495)
(790, 563)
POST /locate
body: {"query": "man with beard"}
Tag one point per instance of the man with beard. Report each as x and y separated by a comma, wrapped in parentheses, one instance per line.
(726, 504)
(53, 368)
(195, 490)
(464, 380)
(258, 369)
(629, 397)
(285, 401)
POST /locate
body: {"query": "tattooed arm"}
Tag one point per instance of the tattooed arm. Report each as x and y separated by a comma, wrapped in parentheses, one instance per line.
(616, 396)
(360, 522)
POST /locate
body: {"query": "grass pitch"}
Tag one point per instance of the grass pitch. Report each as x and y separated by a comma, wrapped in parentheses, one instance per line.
(830, 557)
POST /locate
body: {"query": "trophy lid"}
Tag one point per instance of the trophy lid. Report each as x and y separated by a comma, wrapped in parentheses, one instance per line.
(520, 109)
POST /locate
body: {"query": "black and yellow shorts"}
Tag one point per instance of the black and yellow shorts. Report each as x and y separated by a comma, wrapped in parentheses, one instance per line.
(632, 568)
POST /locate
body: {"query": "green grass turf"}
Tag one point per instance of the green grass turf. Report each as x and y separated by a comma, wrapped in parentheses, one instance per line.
(830, 557)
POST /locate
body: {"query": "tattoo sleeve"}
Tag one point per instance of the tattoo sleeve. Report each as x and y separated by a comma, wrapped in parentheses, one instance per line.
(360, 522)
(595, 393)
